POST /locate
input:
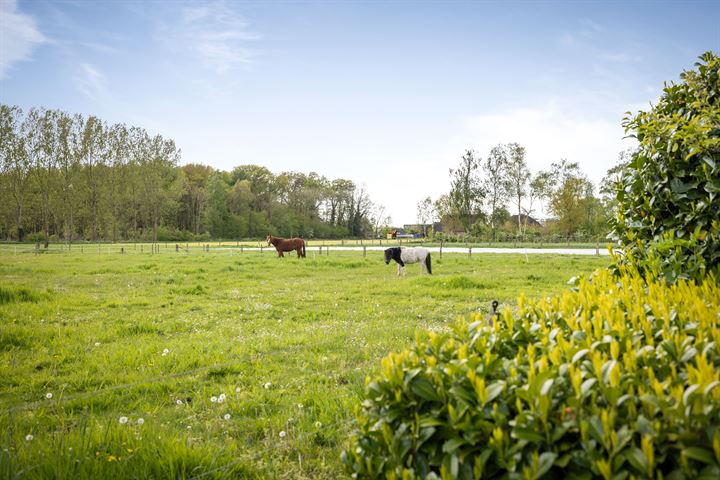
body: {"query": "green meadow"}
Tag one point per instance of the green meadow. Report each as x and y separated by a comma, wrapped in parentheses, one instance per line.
(219, 364)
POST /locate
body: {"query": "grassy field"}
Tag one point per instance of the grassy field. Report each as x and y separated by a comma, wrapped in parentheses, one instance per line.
(239, 365)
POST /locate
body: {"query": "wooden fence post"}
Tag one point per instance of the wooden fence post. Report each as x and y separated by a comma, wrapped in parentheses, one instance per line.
(364, 251)
(441, 245)
(469, 252)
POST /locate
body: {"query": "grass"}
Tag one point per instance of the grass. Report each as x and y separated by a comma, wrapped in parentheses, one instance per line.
(289, 342)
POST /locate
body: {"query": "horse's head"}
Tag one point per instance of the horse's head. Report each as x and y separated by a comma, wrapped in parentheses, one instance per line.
(388, 255)
(269, 239)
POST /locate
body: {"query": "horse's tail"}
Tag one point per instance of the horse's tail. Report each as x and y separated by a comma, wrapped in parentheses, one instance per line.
(427, 263)
(303, 248)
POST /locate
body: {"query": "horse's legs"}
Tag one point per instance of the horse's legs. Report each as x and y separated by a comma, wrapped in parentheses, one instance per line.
(399, 267)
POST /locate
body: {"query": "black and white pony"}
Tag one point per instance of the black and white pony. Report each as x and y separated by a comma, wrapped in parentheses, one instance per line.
(409, 255)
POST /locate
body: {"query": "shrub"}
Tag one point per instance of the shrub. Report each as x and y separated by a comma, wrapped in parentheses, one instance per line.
(615, 379)
(667, 220)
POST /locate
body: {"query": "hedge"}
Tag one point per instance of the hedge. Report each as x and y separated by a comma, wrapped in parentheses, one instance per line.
(616, 378)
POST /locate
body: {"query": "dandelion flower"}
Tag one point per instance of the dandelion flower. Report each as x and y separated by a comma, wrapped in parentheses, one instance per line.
(268, 385)
(29, 437)
(140, 421)
(226, 416)
(282, 434)
(213, 399)
(123, 420)
(48, 395)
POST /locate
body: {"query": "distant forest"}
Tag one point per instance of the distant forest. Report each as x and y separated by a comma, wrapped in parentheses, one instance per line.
(73, 178)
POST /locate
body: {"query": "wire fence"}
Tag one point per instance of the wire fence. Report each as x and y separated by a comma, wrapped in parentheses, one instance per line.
(321, 247)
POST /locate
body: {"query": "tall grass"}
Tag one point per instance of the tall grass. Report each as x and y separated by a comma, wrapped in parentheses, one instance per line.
(288, 342)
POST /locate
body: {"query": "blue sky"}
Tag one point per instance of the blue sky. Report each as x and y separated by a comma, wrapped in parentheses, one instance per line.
(387, 94)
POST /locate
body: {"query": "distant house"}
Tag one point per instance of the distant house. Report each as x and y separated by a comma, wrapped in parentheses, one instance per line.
(421, 228)
(526, 220)
(453, 226)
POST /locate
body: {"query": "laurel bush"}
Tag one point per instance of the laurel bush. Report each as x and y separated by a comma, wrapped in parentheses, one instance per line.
(667, 220)
(617, 378)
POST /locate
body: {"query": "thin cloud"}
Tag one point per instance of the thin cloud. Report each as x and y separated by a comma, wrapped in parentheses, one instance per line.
(619, 57)
(214, 33)
(91, 82)
(19, 35)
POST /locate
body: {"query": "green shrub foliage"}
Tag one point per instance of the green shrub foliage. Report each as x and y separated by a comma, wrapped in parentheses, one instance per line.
(668, 198)
(617, 378)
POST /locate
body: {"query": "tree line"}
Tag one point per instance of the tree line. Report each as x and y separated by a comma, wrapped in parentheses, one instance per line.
(72, 178)
(500, 195)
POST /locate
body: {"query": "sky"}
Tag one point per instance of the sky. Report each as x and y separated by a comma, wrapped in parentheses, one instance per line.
(387, 94)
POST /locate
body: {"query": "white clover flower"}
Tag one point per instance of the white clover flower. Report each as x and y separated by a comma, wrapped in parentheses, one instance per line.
(268, 385)
(226, 416)
(29, 437)
(213, 399)
(123, 420)
(48, 395)
(140, 421)
(282, 434)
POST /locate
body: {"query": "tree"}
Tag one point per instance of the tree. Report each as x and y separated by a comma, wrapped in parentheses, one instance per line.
(466, 193)
(570, 193)
(518, 175)
(538, 189)
(495, 183)
(667, 216)
(16, 154)
(194, 197)
(93, 154)
(425, 213)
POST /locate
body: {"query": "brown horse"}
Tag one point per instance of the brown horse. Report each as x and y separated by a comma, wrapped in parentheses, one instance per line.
(287, 245)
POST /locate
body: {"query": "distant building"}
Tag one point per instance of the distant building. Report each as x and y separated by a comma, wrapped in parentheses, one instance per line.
(526, 220)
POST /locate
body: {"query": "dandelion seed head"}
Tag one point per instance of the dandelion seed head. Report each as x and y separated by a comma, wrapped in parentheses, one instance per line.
(178, 401)
(282, 434)
(97, 344)
(48, 395)
(29, 437)
(123, 420)
(226, 416)
(213, 399)
(318, 424)
(268, 385)
(237, 390)
(140, 421)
